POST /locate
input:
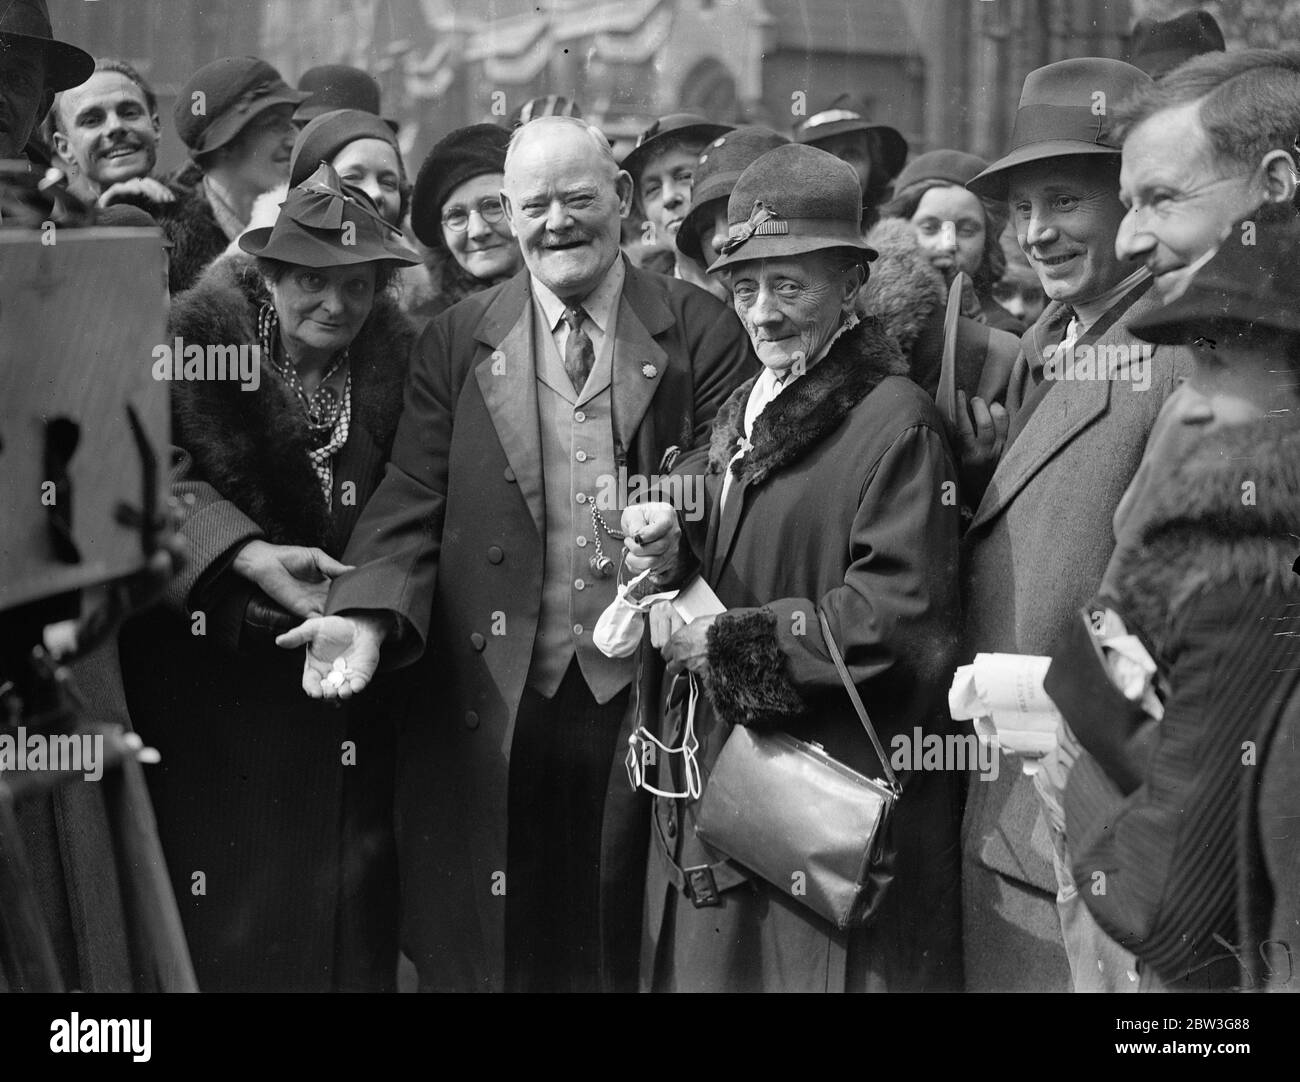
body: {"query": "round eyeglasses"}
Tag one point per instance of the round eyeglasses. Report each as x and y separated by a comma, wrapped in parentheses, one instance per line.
(490, 210)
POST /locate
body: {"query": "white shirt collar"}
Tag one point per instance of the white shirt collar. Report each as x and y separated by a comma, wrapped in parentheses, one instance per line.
(1088, 312)
(598, 304)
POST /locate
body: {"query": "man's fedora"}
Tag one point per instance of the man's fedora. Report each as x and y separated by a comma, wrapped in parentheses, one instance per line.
(1160, 46)
(1065, 110)
(1243, 287)
(720, 166)
(326, 223)
(845, 115)
(28, 21)
(794, 199)
(688, 126)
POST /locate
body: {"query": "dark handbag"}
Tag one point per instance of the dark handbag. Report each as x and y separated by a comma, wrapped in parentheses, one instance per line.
(811, 826)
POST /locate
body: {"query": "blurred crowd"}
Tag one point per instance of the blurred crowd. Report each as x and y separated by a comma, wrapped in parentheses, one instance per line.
(1032, 406)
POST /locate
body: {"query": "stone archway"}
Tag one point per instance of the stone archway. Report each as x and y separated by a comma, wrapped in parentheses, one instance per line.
(710, 89)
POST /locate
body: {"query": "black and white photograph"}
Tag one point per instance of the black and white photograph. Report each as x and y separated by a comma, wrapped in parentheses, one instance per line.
(641, 496)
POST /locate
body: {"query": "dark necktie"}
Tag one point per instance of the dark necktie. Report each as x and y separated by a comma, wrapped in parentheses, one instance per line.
(579, 356)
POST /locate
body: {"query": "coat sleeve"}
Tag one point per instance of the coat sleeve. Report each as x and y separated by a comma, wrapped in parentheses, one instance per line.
(1156, 866)
(213, 530)
(894, 616)
(396, 543)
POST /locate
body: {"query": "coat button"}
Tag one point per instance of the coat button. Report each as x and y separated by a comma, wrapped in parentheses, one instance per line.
(581, 456)
(510, 475)
(579, 416)
(471, 719)
(477, 641)
(577, 629)
(495, 555)
(582, 542)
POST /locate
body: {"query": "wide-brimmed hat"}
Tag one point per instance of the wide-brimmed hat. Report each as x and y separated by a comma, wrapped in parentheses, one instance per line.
(685, 126)
(1159, 46)
(951, 166)
(1243, 287)
(326, 223)
(28, 21)
(337, 86)
(329, 133)
(1065, 110)
(793, 199)
(846, 114)
(221, 98)
(720, 166)
(466, 153)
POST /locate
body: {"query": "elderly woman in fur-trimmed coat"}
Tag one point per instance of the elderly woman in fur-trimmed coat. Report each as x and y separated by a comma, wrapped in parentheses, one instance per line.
(826, 482)
(275, 811)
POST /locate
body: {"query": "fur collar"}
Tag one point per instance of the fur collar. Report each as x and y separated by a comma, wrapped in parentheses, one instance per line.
(1229, 514)
(816, 404)
(252, 446)
(196, 237)
(905, 289)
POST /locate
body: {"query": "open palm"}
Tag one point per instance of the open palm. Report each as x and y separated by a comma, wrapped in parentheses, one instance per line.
(342, 655)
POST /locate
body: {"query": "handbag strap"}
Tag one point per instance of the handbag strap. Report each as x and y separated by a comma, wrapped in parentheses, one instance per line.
(857, 700)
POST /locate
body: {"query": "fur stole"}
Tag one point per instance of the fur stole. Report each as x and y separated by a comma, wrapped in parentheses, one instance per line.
(1228, 514)
(905, 289)
(252, 446)
(816, 404)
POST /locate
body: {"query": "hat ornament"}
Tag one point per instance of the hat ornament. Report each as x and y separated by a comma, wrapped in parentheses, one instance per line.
(318, 202)
(763, 221)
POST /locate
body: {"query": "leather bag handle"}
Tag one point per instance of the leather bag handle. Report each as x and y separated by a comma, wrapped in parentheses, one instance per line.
(857, 701)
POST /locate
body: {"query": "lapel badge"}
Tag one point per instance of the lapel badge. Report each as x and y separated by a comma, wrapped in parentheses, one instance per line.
(745, 445)
(649, 371)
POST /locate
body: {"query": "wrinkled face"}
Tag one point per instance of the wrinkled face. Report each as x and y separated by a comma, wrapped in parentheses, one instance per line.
(484, 247)
(107, 134)
(373, 166)
(1241, 379)
(22, 88)
(1067, 212)
(1182, 200)
(260, 153)
(322, 309)
(791, 306)
(565, 202)
(949, 224)
(665, 189)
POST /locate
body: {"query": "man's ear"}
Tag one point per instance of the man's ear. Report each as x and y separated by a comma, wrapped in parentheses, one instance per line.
(853, 280)
(510, 212)
(64, 151)
(624, 185)
(1279, 176)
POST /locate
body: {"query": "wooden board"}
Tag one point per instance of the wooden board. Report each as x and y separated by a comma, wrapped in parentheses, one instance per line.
(79, 320)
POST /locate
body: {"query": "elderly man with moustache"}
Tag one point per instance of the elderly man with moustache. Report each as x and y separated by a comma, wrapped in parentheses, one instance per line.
(523, 848)
(1041, 536)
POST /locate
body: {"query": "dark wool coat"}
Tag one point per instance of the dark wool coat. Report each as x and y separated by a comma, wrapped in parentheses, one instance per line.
(843, 502)
(282, 803)
(453, 543)
(1035, 553)
(1186, 820)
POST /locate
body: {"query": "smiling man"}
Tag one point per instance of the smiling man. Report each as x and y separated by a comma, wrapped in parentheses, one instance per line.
(106, 134)
(1210, 144)
(1041, 536)
(523, 849)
